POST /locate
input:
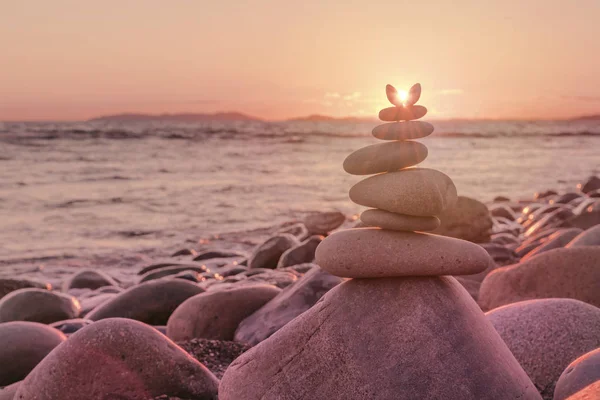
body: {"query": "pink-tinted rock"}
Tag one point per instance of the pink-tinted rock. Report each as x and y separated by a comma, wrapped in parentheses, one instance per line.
(38, 305)
(405, 130)
(89, 279)
(376, 253)
(8, 393)
(561, 273)
(589, 217)
(405, 113)
(217, 314)
(8, 285)
(592, 183)
(118, 359)
(546, 335)
(267, 254)
(419, 192)
(466, 219)
(323, 222)
(23, 346)
(581, 379)
(413, 95)
(557, 240)
(385, 157)
(392, 338)
(502, 210)
(287, 305)
(150, 302)
(589, 237)
(398, 222)
(300, 254)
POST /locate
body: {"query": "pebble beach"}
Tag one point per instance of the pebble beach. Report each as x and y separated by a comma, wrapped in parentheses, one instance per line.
(409, 264)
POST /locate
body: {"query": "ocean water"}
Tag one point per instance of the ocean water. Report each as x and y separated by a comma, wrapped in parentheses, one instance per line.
(82, 189)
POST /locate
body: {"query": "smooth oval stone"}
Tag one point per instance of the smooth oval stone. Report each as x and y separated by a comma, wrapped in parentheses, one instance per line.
(581, 379)
(398, 222)
(402, 113)
(377, 253)
(414, 94)
(88, 279)
(546, 335)
(555, 241)
(392, 95)
(385, 157)
(589, 237)
(8, 285)
(24, 345)
(403, 130)
(321, 223)
(420, 192)
(38, 305)
(118, 359)
(150, 302)
(216, 315)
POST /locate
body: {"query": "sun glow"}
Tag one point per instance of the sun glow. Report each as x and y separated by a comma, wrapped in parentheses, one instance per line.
(402, 95)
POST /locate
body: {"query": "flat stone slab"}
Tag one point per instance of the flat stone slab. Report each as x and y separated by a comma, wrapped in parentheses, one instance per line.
(405, 130)
(402, 113)
(421, 192)
(385, 157)
(398, 222)
(376, 253)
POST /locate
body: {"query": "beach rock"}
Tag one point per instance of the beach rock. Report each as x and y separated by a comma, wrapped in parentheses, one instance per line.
(216, 355)
(505, 239)
(398, 222)
(414, 94)
(546, 335)
(467, 219)
(300, 268)
(156, 266)
(594, 194)
(119, 359)
(589, 237)
(88, 279)
(557, 218)
(588, 218)
(8, 393)
(500, 254)
(385, 157)
(281, 279)
(8, 285)
(24, 345)
(300, 254)
(544, 194)
(420, 192)
(150, 302)
(502, 210)
(403, 130)
(217, 253)
(267, 254)
(70, 326)
(216, 315)
(561, 273)
(403, 113)
(364, 340)
(287, 305)
(557, 240)
(592, 183)
(298, 230)
(565, 198)
(470, 285)
(170, 271)
(581, 379)
(230, 270)
(377, 253)
(38, 305)
(323, 222)
(88, 304)
(501, 199)
(184, 252)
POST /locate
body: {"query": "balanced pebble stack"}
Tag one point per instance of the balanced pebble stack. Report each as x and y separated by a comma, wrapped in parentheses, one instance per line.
(403, 327)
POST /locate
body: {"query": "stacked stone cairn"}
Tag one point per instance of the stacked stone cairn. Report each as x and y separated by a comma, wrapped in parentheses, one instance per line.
(402, 327)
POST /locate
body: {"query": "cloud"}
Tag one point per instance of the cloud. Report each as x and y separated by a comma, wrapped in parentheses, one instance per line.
(450, 91)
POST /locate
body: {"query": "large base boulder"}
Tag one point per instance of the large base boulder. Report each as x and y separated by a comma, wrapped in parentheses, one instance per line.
(386, 338)
(118, 359)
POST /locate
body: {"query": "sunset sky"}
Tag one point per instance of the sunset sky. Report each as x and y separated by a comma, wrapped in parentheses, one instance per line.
(73, 59)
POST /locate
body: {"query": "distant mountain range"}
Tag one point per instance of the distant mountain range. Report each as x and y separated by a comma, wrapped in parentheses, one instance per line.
(220, 116)
(237, 116)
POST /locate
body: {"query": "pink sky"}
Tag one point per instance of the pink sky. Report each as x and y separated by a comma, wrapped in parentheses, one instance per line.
(73, 59)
